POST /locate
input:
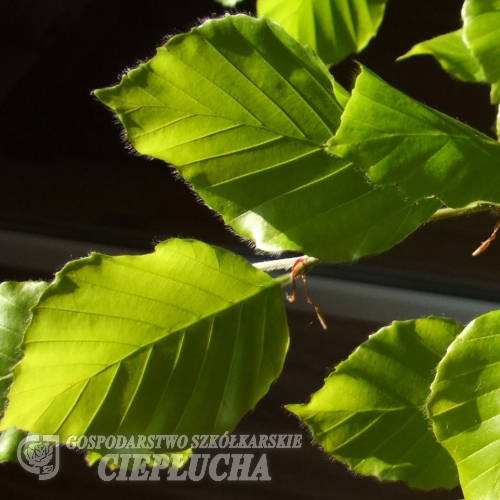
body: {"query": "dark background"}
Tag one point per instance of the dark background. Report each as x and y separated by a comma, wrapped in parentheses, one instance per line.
(65, 172)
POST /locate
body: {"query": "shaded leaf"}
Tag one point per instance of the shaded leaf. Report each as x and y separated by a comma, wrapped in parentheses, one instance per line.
(370, 411)
(16, 300)
(399, 141)
(341, 94)
(465, 408)
(333, 28)
(182, 341)
(452, 54)
(244, 112)
(482, 35)
(10, 440)
(497, 124)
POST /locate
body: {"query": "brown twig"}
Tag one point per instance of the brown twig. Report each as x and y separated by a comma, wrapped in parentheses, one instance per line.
(299, 268)
(485, 244)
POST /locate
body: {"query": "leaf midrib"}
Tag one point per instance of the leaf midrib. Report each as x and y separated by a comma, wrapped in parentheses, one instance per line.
(181, 329)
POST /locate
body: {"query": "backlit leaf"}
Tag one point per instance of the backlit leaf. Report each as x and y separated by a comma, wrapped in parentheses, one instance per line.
(333, 28)
(453, 54)
(244, 112)
(370, 411)
(399, 141)
(182, 341)
(465, 408)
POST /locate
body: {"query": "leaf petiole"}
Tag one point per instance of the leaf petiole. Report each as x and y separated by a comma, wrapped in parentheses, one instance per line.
(446, 213)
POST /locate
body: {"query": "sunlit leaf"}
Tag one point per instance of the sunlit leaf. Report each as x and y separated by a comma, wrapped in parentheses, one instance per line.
(244, 112)
(399, 141)
(182, 341)
(465, 408)
(370, 411)
(453, 54)
(333, 28)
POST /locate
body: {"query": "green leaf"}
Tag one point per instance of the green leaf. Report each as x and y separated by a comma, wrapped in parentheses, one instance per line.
(452, 54)
(341, 94)
(182, 341)
(16, 300)
(465, 408)
(370, 411)
(482, 35)
(399, 141)
(10, 440)
(333, 28)
(229, 3)
(244, 112)
(497, 124)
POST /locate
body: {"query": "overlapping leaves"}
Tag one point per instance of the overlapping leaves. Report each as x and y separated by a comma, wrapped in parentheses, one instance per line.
(399, 141)
(373, 410)
(244, 112)
(465, 407)
(471, 53)
(482, 35)
(182, 341)
(187, 339)
(370, 411)
(333, 28)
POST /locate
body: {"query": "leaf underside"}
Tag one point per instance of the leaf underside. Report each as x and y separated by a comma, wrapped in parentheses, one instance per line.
(370, 412)
(182, 341)
(244, 113)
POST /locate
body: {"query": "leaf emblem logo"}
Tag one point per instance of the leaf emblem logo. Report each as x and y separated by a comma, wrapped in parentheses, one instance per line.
(39, 454)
